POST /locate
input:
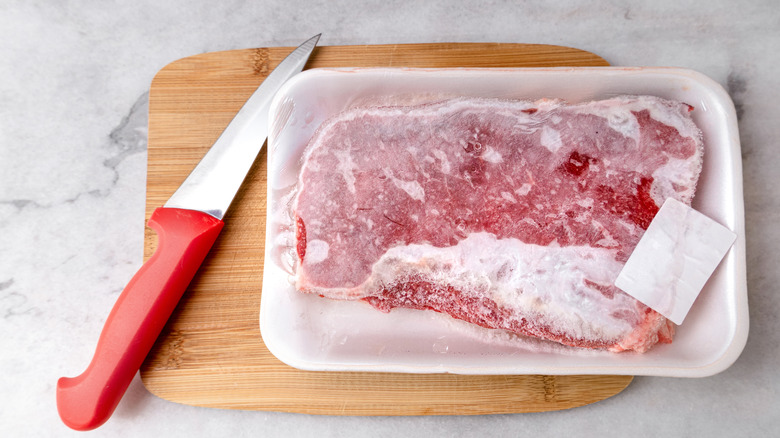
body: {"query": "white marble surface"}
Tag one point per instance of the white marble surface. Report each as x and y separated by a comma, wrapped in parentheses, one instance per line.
(73, 83)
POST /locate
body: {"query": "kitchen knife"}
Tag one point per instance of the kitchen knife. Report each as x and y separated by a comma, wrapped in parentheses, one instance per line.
(187, 226)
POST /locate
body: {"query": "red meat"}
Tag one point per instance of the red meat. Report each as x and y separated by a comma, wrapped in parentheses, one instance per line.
(512, 215)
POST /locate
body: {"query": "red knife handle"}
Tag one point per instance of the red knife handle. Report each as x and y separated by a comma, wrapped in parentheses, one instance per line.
(140, 313)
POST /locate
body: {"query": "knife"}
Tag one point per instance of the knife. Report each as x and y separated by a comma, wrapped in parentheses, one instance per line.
(187, 226)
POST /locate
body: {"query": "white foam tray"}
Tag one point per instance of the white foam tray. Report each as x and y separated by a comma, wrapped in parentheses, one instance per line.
(313, 333)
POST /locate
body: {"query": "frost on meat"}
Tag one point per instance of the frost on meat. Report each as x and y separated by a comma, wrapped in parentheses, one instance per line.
(512, 215)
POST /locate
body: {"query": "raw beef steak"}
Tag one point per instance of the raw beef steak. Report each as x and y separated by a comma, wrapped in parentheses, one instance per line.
(512, 215)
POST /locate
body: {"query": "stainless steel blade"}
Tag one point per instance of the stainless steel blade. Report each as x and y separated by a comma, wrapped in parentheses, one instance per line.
(214, 182)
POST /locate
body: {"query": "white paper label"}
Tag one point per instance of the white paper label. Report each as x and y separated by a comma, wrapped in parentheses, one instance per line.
(677, 254)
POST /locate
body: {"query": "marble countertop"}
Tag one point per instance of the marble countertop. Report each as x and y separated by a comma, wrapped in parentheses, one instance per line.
(74, 79)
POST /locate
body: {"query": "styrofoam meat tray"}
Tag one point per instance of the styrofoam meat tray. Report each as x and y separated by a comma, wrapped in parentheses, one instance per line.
(314, 333)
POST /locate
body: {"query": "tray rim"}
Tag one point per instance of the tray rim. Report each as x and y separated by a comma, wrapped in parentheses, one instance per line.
(735, 344)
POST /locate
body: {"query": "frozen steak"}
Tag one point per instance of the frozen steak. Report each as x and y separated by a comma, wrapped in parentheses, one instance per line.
(513, 215)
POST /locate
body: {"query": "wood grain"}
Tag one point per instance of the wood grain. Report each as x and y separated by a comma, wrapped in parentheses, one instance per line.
(211, 352)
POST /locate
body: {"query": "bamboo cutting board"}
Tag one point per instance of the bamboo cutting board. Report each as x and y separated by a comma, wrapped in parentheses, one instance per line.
(211, 352)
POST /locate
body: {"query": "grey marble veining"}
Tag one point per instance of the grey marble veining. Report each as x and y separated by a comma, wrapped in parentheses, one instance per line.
(74, 80)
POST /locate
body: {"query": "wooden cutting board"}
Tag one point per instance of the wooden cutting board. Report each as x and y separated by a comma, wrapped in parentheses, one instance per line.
(211, 352)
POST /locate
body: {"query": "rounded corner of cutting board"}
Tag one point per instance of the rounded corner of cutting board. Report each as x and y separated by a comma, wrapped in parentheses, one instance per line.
(217, 339)
(154, 389)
